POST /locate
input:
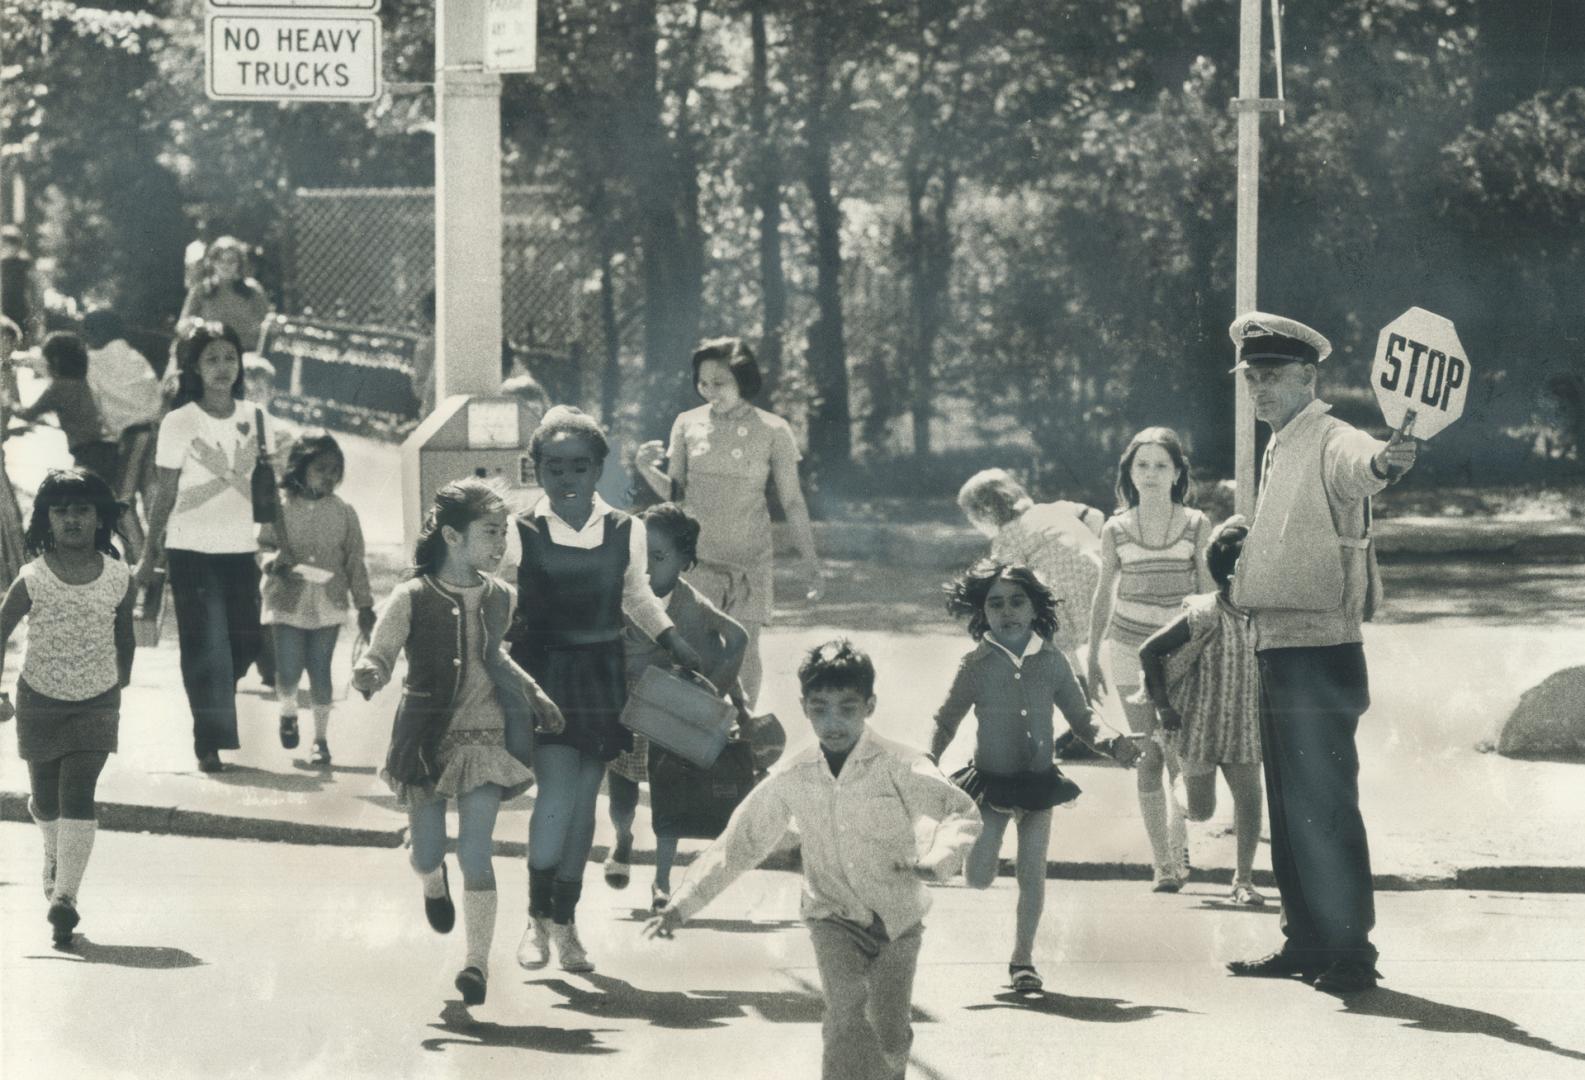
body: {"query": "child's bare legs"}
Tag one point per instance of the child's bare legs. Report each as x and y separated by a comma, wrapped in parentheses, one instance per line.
(1199, 781)
(1162, 816)
(1244, 780)
(476, 814)
(752, 673)
(1034, 839)
(622, 795)
(560, 834)
(63, 806)
(985, 857)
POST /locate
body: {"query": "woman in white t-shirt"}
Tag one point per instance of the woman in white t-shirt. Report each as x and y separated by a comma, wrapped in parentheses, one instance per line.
(202, 522)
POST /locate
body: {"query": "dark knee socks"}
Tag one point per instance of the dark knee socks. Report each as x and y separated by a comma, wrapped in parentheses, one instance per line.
(539, 891)
(564, 900)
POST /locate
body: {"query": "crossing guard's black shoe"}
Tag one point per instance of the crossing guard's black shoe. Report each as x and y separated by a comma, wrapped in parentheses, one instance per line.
(1278, 965)
(1347, 977)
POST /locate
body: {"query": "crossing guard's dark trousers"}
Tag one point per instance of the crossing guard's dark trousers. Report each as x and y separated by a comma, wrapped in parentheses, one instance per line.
(1311, 700)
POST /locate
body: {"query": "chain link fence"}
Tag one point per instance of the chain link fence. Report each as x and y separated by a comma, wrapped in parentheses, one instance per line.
(366, 256)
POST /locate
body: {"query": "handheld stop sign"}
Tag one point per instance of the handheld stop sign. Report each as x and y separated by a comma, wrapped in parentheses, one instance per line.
(1420, 373)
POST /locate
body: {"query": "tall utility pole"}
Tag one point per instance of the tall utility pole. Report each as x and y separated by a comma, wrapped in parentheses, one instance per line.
(1249, 107)
(467, 205)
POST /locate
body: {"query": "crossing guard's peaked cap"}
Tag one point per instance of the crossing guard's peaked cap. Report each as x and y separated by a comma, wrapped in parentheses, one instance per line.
(1272, 339)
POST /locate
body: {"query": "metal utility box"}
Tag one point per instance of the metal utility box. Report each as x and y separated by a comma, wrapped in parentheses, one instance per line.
(468, 436)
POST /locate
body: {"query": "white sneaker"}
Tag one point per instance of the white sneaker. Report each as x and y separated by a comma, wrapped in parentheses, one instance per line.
(533, 952)
(568, 948)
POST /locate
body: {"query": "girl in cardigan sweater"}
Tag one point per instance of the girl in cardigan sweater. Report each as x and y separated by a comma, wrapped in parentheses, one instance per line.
(1013, 680)
(462, 694)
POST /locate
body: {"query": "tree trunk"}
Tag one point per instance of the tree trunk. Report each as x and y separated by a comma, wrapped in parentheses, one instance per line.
(830, 419)
(766, 193)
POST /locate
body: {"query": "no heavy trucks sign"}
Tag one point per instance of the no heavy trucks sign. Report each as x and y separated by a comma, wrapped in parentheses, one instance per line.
(1421, 370)
(263, 56)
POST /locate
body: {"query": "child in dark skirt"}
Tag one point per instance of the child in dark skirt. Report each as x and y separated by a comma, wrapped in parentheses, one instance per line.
(582, 567)
(76, 594)
(721, 640)
(1012, 680)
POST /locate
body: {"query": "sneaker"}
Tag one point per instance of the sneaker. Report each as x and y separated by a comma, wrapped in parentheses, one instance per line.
(658, 898)
(1277, 965)
(321, 753)
(470, 981)
(63, 917)
(617, 872)
(289, 732)
(1244, 894)
(1347, 977)
(439, 910)
(1165, 879)
(1025, 979)
(569, 950)
(533, 952)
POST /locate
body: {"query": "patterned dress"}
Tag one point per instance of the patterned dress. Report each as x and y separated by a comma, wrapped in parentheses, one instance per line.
(1219, 697)
(1151, 587)
(1053, 541)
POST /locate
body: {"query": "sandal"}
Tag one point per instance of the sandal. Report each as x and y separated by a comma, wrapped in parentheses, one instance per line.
(1026, 980)
(1244, 893)
(617, 872)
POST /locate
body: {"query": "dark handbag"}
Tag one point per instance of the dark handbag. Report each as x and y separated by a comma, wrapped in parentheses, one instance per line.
(687, 801)
(263, 481)
(1016, 791)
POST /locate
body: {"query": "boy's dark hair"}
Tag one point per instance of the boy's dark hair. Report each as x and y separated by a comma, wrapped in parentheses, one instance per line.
(458, 504)
(837, 665)
(678, 525)
(66, 355)
(1226, 545)
(101, 326)
(567, 420)
(967, 592)
(193, 337)
(739, 360)
(61, 487)
(309, 447)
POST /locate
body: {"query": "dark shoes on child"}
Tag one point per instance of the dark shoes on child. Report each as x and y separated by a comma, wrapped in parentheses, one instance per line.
(64, 918)
(289, 735)
(320, 754)
(1025, 979)
(441, 912)
(470, 981)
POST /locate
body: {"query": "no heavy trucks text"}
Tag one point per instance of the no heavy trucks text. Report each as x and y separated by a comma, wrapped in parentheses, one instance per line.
(295, 39)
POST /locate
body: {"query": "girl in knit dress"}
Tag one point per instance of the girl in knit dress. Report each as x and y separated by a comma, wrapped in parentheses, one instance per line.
(1152, 556)
(581, 570)
(76, 594)
(312, 562)
(673, 545)
(1013, 680)
(1201, 676)
(449, 739)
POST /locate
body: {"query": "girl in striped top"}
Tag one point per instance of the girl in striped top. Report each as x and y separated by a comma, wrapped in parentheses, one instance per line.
(1152, 556)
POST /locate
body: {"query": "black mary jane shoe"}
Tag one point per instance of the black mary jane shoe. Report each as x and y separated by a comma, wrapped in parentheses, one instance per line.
(470, 983)
(289, 735)
(439, 910)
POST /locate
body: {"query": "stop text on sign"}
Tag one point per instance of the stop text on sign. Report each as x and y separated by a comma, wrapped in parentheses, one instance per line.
(293, 57)
(1420, 372)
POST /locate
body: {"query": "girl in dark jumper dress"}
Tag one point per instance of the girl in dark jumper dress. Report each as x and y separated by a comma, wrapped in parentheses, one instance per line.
(583, 566)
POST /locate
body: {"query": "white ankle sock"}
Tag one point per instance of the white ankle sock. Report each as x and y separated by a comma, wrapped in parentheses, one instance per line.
(434, 883)
(74, 843)
(478, 919)
(48, 830)
(1153, 809)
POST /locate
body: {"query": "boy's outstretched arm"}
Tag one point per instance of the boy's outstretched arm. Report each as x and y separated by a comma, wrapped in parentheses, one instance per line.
(1080, 717)
(926, 793)
(756, 826)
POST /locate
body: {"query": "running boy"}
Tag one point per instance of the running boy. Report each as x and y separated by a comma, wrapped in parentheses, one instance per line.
(856, 799)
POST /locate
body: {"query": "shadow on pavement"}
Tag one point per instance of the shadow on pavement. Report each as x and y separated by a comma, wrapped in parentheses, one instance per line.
(84, 951)
(456, 1021)
(1427, 1015)
(614, 999)
(1220, 904)
(1087, 1009)
(306, 766)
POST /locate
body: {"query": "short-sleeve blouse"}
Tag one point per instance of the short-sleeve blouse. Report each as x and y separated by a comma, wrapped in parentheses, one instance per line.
(725, 466)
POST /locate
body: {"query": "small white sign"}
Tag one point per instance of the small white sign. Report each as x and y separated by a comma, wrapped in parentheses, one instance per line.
(306, 6)
(492, 425)
(1421, 372)
(292, 57)
(511, 29)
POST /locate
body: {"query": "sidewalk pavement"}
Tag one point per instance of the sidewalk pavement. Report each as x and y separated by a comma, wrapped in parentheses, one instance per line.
(1440, 813)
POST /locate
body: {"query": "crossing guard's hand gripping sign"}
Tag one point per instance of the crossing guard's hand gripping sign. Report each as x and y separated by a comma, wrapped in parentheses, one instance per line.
(1420, 374)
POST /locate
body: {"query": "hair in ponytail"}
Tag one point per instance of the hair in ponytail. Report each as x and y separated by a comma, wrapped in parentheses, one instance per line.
(458, 504)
